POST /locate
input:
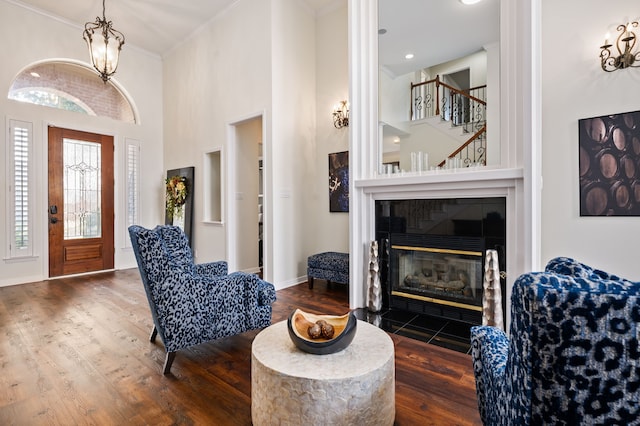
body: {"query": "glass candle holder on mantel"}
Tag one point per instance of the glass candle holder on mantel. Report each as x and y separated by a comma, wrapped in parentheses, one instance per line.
(419, 162)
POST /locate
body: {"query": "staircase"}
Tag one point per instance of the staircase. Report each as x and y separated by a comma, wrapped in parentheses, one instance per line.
(462, 110)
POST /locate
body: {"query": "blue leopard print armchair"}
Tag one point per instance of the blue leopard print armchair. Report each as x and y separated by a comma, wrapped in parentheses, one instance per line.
(195, 303)
(573, 356)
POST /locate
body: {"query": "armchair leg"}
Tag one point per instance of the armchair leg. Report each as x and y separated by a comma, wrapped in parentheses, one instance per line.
(310, 279)
(168, 361)
(154, 333)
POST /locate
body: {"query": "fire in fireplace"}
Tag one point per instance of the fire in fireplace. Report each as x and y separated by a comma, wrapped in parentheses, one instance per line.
(437, 274)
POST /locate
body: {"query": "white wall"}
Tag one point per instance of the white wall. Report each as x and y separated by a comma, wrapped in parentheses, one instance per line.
(476, 63)
(575, 87)
(330, 231)
(256, 58)
(221, 75)
(34, 37)
(293, 151)
(395, 98)
(494, 153)
(425, 137)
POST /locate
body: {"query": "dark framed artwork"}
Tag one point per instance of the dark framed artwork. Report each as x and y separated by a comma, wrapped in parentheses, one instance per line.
(339, 182)
(610, 165)
(179, 213)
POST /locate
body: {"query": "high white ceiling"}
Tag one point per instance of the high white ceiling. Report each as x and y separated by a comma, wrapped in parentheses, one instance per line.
(435, 31)
(153, 25)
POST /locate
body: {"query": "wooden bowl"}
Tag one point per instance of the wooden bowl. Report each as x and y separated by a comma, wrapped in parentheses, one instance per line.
(344, 331)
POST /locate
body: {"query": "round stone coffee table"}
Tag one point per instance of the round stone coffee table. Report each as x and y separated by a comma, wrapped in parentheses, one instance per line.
(354, 386)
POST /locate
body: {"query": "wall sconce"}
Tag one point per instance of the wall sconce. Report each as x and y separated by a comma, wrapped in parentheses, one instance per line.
(341, 115)
(625, 43)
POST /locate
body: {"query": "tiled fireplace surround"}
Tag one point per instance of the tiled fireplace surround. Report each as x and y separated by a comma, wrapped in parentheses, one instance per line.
(465, 184)
(432, 253)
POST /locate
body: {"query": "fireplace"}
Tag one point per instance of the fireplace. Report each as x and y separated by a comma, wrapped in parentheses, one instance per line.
(433, 251)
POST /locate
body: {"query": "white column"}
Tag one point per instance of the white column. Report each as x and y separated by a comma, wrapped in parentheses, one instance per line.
(364, 152)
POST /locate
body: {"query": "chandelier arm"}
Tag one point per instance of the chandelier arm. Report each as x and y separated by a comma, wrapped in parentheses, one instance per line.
(631, 43)
(625, 44)
(622, 29)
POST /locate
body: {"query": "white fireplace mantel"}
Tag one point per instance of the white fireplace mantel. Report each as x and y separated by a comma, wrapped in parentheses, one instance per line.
(459, 183)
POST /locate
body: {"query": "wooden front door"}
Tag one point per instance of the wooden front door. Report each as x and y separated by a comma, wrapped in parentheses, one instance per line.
(80, 202)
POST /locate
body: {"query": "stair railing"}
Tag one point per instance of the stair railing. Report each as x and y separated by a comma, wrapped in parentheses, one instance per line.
(473, 151)
(433, 97)
(425, 99)
(463, 108)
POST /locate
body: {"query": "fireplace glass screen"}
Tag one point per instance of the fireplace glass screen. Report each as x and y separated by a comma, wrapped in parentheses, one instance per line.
(447, 271)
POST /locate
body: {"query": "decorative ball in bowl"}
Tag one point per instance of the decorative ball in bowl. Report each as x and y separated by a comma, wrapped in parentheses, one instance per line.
(321, 334)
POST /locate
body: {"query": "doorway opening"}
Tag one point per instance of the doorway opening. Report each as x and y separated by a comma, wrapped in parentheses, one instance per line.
(455, 106)
(247, 237)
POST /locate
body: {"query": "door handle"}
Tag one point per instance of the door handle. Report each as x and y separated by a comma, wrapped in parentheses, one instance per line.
(53, 210)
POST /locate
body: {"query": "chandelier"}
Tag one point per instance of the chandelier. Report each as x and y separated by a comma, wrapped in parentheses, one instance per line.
(625, 44)
(105, 44)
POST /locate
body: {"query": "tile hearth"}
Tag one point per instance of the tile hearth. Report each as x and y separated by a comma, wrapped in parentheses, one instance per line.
(443, 332)
(438, 331)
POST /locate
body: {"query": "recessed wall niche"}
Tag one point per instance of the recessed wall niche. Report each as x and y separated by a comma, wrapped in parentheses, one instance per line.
(213, 194)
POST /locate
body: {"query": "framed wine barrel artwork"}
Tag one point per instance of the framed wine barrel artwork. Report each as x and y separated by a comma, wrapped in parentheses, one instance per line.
(609, 164)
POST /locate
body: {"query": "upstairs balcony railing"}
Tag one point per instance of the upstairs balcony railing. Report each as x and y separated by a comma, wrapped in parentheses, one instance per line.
(433, 97)
(464, 109)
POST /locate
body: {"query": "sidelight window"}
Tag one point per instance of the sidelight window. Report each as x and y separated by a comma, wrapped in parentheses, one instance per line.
(20, 188)
(132, 170)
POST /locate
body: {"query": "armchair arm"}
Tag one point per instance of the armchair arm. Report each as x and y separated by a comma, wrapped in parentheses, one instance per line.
(212, 269)
(258, 297)
(242, 299)
(489, 352)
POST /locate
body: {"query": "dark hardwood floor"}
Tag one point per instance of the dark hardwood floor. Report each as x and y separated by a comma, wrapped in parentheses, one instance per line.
(76, 351)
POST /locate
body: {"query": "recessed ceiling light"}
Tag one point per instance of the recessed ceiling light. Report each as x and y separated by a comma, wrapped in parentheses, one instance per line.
(469, 1)
(408, 56)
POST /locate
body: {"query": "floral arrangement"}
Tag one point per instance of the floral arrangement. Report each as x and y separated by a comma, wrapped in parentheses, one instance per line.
(176, 194)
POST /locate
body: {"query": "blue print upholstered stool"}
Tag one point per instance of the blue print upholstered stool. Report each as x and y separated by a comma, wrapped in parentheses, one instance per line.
(331, 266)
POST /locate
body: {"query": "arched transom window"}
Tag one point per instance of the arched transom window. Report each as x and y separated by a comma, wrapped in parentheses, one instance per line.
(71, 87)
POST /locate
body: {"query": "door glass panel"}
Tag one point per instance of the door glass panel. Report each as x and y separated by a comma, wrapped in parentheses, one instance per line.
(82, 195)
